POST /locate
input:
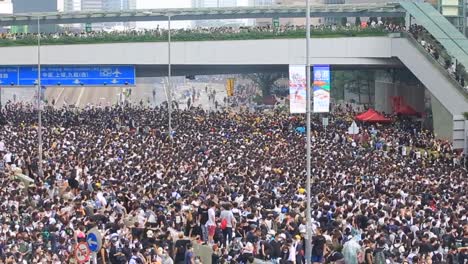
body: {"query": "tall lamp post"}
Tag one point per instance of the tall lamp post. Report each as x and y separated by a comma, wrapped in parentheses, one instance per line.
(169, 76)
(39, 107)
(308, 248)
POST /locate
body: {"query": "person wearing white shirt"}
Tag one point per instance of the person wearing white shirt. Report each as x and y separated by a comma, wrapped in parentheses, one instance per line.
(211, 223)
(228, 217)
(7, 157)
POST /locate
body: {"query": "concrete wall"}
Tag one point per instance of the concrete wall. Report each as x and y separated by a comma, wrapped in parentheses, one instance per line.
(334, 51)
(413, 93)
(460, 133)
(443, 120)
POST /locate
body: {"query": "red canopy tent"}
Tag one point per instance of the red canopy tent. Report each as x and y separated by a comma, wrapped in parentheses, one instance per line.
(373, 116)
(407, 110)
(401, 108)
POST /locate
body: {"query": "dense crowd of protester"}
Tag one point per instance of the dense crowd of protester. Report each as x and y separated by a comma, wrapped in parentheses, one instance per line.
(232, 181)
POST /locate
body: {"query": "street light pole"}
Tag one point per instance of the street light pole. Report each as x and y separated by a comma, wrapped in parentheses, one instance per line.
(169, 76)
(39, 107)
(308, 248)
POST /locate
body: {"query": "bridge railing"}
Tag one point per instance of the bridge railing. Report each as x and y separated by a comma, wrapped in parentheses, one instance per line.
(187, 35)
(441, 65)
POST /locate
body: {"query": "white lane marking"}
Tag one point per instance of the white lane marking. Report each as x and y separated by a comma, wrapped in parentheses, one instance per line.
(79, 97)
(59, 95)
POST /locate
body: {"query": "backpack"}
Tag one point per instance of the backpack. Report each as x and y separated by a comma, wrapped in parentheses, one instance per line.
(339, 261)
(379, 257)
(224, 223)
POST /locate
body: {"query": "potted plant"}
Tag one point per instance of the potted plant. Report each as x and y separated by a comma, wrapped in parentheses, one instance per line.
(465, 114)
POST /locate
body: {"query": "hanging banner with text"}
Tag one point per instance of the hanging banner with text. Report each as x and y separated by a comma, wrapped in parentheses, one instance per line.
(321, 89)
(297, 89)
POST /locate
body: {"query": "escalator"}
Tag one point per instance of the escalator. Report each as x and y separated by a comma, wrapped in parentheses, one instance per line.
(453, 41)
(449, 100)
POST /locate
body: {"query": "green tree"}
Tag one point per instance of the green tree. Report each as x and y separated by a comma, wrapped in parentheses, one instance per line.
(265, 81)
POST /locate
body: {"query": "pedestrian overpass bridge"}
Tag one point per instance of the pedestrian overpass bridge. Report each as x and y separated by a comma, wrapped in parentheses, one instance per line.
(215, 57)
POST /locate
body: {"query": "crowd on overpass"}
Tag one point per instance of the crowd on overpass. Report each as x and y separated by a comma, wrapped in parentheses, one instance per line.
(205, 31)
(431, 45)
(234, 181)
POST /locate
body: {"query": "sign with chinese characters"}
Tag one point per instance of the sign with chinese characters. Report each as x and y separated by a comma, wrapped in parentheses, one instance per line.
(68, 75)
(8, 76)
(321, 89)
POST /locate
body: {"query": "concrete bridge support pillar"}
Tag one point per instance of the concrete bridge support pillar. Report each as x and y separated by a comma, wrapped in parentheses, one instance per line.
(442, 120)
(384, 90)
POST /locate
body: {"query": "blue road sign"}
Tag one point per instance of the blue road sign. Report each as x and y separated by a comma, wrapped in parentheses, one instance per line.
(93, 240)
(8, 76)
(69, 75)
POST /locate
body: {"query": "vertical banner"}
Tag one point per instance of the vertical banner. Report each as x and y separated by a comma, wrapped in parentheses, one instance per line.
(321, 89)
(297, 89)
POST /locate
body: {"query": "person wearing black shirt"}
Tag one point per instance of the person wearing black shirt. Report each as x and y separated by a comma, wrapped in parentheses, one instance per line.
(452, 256)
(215, 257)
(149, 241)
(336, 256)
(73, 183)
(425, 247)
(285, 252)
(318, 248)
(368, 252)
(202, 219)
(276, 247)
(180, 248)
(264, 251)
(116, 255)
